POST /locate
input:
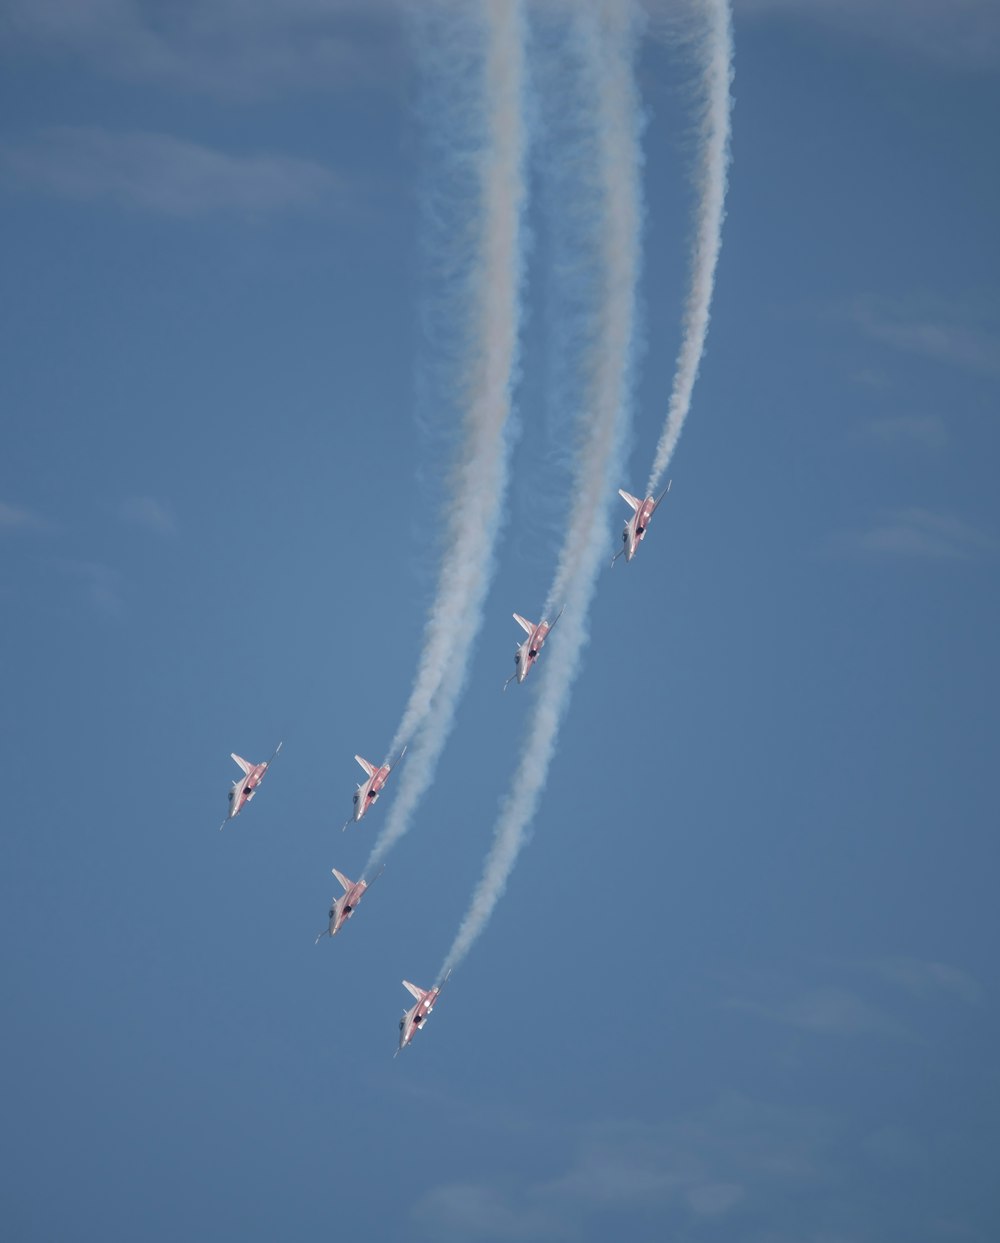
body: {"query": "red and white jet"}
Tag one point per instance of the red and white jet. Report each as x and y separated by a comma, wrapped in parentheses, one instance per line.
(527, 652)
(342, 908)
(638, 524)
(244, 789)
(368, 793)
(414, 1019)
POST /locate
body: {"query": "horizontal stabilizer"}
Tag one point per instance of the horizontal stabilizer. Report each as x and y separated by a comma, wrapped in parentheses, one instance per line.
(244, 764)
(417, 992)
(627, 496)
(342, 878)
(524, 623)
(369, 768)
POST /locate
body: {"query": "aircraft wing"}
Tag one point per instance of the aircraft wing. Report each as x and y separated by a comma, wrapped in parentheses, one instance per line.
(412, 988)
(524, 623)
(244, 764)
(627, 496)
(276, 750)
(558, 615)
(369, 768)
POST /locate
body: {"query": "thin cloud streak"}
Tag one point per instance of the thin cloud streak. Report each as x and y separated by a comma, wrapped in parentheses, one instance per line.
(938, 337)
(238, 50)
(481, 478)
(610, 46)
(922, 534)
(101, 584)
(826, 1011)
(717, 49)
(929, 980)
(925, 431)
(148, 512)
(160, 173)
(962, 35)
(14, 518)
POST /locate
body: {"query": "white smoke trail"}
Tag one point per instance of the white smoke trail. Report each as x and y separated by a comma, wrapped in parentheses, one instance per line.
(610, 50)
(717, 53)
(493, 304)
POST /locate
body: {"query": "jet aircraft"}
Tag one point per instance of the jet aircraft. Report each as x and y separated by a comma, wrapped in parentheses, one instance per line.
(246, 787)
(638, 524)
(342, 908)
(414, 1019)
(526, 653)
(368, 793)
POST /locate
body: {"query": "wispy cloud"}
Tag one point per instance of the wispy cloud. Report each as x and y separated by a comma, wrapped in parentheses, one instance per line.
(160, 173)
(944, 337)
(958, 34)
(826, 1011)
(146, 511)
(15, 518)
(920, 534)
(696, 1169)
(923, 431)
(101, 585)
(928, 980)
(482, 1211)
(239, 50)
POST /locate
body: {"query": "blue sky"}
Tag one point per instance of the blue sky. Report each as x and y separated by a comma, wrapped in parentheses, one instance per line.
(743, 983)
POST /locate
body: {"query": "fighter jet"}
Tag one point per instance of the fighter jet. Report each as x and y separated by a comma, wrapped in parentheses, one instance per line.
(527, 652)
(368, 793)
(342, 908)
(637, 525)
(414, 1019)
(244, 789)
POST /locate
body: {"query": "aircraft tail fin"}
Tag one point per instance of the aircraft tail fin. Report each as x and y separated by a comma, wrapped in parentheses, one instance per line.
(524, 623)
(662, 495)
(412, 988)
(369, 768)
(627, 496)
(244, 764)
(342, 878)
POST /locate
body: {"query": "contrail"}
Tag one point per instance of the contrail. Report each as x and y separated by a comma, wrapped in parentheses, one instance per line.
(609, 45)
(492, 304)
(717, 52)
